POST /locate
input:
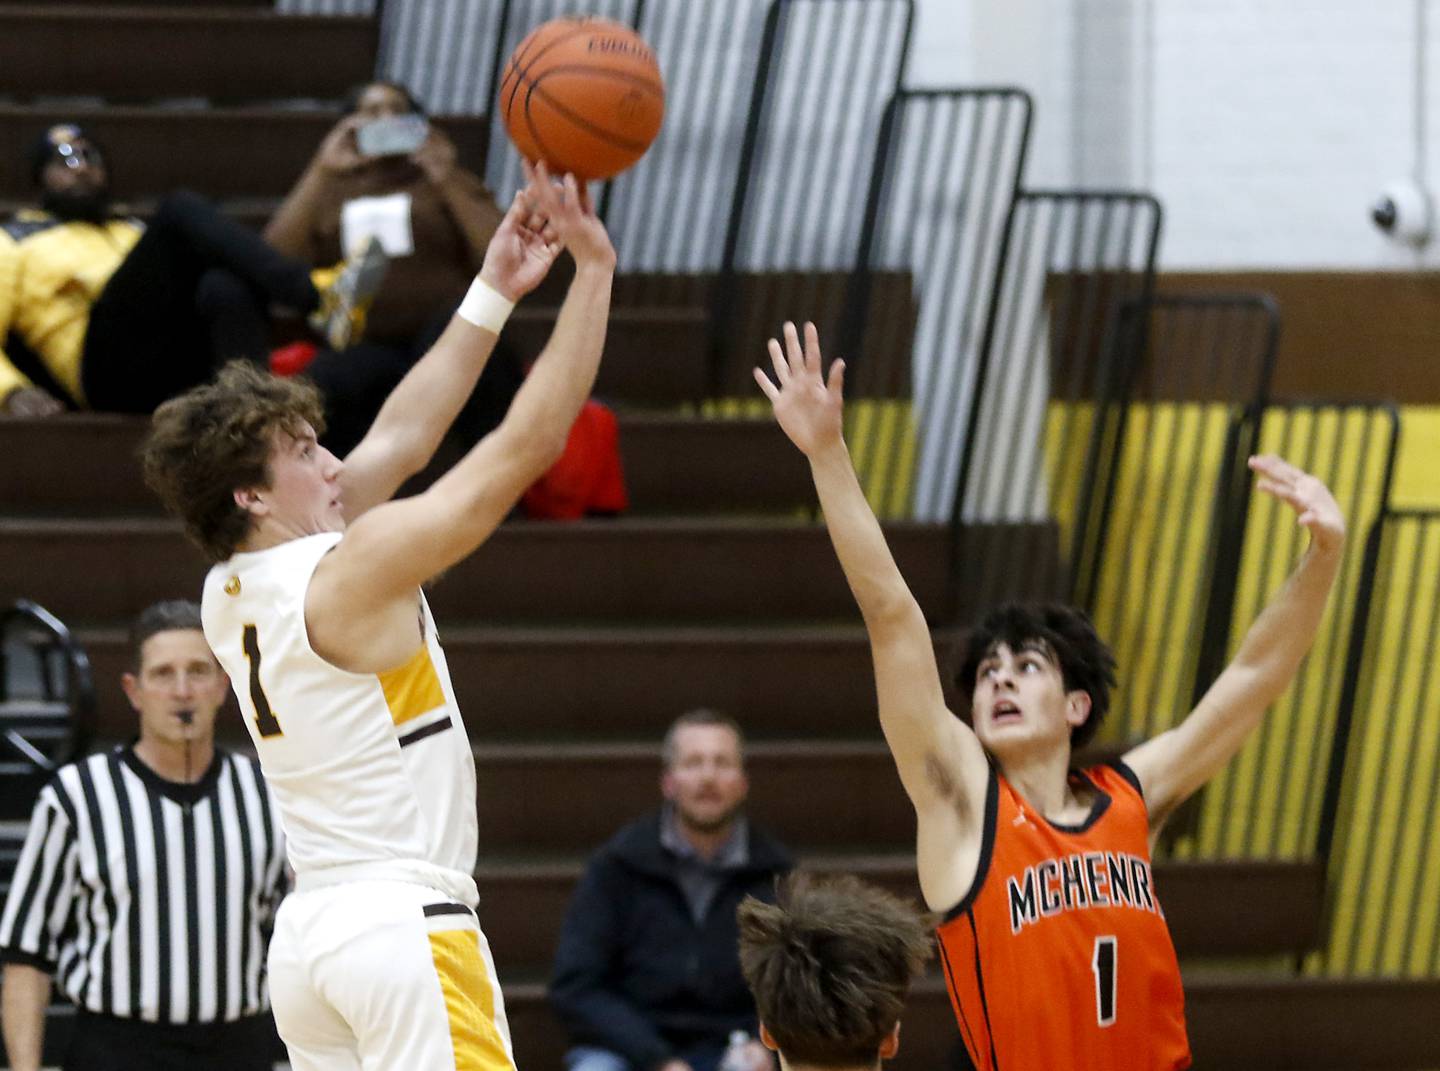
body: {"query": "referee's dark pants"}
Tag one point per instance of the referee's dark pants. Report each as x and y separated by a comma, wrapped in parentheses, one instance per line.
(105, 1043)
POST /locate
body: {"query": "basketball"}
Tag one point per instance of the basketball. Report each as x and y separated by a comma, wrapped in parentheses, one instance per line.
(584, 95)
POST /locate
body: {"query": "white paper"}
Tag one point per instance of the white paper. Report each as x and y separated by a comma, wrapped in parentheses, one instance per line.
(385, 218)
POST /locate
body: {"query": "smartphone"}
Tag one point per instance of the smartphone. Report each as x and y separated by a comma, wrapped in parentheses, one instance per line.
(392, 135)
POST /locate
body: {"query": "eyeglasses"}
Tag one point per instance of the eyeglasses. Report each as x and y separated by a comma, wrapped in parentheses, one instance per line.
(77, 156)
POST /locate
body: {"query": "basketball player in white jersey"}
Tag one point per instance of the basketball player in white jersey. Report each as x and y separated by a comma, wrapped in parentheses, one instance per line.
(314, 609)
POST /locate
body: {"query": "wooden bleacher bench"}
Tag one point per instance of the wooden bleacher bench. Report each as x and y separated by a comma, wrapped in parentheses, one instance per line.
(223, 53)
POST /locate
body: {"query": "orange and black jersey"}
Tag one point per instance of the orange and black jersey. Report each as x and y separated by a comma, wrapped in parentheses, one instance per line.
(1059, 956)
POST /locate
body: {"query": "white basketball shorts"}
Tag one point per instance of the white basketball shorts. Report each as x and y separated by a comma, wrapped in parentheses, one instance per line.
(373, 975)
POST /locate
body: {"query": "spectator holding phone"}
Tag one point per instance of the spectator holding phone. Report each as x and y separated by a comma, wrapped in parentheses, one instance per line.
(383, 171)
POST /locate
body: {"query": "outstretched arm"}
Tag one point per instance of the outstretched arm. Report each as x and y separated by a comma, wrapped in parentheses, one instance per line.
(409, 427)
(941, 763)
(372, 574)
(1179, 761)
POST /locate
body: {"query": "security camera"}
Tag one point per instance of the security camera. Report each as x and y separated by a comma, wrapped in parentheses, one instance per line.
(1403, 211)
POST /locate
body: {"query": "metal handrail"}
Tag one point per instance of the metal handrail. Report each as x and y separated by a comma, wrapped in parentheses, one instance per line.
(79, 688)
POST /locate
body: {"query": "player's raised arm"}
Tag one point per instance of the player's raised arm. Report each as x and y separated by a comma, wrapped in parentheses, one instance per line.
(940, 761)
(395, 547)
(1178, 762)
(409, 427)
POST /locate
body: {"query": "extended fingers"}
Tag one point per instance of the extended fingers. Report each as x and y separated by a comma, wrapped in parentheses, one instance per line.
(797, 359)
(1283, 491)
(804, 360)
(547, 193)
(1304, 493)
(770, 390)
(1275, 468)
(812, 349)
(777, 358)
(587, 206)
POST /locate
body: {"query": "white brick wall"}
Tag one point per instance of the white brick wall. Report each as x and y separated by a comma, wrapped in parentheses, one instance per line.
(1276, 125)
(1267, 127)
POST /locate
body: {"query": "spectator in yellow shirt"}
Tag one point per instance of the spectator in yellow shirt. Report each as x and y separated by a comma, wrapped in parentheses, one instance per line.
(114, 315)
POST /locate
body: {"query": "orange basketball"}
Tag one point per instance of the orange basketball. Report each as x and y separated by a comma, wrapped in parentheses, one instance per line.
(584, 95)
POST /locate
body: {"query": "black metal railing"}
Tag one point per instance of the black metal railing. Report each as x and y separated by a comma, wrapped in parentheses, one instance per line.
(1380, 831)
(668, 213)
(47, 702)
(442, 49)
(1164, 519)
(1268, 802)
(1040, 416)
(916, 302)
(827, 72)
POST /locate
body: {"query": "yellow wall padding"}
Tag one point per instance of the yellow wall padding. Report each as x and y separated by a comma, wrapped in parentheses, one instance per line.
(1266, 803)
(1067, 436)
(1154, 580)
(1149, 598)
(1385, 865)
(882, 440)
(1417, 474)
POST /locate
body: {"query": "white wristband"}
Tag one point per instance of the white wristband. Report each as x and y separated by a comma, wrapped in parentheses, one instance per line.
(486, 307)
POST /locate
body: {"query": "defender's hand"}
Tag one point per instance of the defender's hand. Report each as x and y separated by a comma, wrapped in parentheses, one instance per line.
(1306, 495)
(808, 407)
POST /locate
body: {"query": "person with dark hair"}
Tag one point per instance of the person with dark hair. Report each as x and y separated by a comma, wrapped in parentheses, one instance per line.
(384, 171)
(148, 881)
(116, 315)
(830, 964)
(313, 604)
(646, 974)
(1061, 633)
(1055, 949)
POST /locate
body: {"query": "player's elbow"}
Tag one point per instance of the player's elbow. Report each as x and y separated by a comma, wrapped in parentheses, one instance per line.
(891, 613)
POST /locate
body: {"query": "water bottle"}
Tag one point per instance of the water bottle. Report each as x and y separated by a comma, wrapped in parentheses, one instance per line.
(736, 1057)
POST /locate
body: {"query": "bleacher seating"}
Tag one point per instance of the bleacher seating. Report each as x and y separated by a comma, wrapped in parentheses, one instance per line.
(572, 646)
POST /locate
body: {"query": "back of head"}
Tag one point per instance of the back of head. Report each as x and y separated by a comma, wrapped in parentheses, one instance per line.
(830, 965)
(216, 438)
(1085, 662)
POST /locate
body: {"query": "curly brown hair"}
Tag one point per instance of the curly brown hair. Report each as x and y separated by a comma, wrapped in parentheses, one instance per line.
(209, 442)
(830, 964)
(1086, 664)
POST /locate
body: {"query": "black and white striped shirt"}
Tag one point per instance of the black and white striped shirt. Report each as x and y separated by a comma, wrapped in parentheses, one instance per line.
(148, 899)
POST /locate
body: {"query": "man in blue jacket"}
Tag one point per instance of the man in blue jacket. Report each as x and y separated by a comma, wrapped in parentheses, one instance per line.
(647, 975)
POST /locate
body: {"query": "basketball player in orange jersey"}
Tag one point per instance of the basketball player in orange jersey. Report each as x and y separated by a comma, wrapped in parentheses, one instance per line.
(313, 607)
(1053, 944)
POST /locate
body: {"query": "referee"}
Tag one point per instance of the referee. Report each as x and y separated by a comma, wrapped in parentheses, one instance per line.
(147, 883)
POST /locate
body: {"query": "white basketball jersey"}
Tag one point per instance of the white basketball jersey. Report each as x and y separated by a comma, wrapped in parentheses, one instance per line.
(373, 773)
